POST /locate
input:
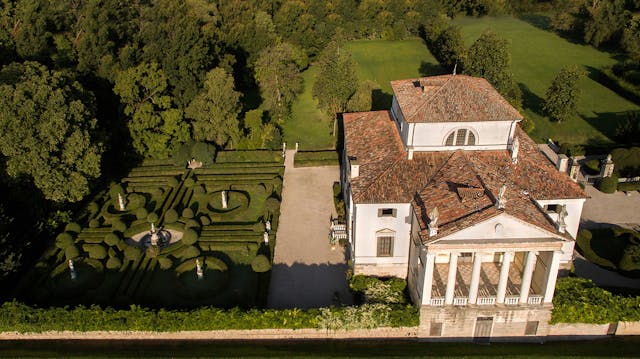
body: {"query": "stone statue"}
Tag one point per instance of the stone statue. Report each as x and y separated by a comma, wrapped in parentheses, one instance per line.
(267, 226)
(199, 271)
(501, 201)
(515, 147)
(121, 202)
(154, 235)
(434, 215)
(562, 215)
(72, 269)
(223, 195)
(265, 237)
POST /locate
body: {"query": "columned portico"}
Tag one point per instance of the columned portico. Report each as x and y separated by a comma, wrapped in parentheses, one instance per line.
(504, 276)
(475, 278)
(451, 278)
(527, 275)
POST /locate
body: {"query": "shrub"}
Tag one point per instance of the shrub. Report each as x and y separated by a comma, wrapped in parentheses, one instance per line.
(629, 186)
(627, 161)
(205, 220)
(198, 190)
(131, 253)
(366, 316)
(115, 190)
(189, 182)
(203, 152)
(64, 240)
(316, 158)
(153, 251)
(111, 239)
(216, 264)
(173, 182)
(190, 252)
(187, 213)
(114, 263)
(93, 208)
(94, 223)
(165, 263)
(141, 213)
(192, 223)
(260, 264)
(608, 184)
(73, 227)
(189, 237)
(118, 225)
(171, 216)
(95, 251)
(152, 217)
(135, 201)
(111, 252)
(71, 252)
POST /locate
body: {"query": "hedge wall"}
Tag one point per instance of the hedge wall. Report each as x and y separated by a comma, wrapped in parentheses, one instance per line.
(249, 156)
(18, 317)
(315, 158)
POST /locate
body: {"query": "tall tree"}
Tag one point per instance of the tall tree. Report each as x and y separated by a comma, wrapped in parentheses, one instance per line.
(214, 112)
(564, 93)
(489, 57)
(156, 127)
(277, 71)
(336, 81)
(605, 21)
(450, 49)
(48, 130)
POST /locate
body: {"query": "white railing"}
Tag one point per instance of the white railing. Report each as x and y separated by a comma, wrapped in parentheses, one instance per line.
(534, 299)
(437, 302)
(460, 301)
(512, 300)
(486, 300)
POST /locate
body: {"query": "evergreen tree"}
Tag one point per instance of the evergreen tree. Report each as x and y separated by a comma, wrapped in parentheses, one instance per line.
(563, 95)
(336, 81)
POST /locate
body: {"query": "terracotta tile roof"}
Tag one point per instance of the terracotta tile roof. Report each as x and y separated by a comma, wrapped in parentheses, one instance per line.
(451, 98)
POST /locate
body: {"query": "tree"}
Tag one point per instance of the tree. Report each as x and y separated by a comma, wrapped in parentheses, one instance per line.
(336, 81)
(10, 256)
(362, 98)
(605, 21)
(277, 71)
(449, 48)
(156, 127)
(489, 57)
(259, 134)
(214, 112)
(563, 95)
(48, 131)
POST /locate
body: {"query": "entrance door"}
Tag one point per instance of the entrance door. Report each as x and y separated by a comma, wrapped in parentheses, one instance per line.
(482, 332)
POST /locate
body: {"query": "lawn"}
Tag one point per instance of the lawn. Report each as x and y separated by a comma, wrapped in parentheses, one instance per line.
(537, 56)
(214, 216)
(377, 60)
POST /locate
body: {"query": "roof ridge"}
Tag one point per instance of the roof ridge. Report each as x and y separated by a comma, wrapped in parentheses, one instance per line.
(376, 178)
(437, 171)
(428, 100)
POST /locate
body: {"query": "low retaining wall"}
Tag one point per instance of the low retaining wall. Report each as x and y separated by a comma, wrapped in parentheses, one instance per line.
(573, 329)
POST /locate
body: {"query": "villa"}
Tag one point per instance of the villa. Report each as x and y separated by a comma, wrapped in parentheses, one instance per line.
(447, 191)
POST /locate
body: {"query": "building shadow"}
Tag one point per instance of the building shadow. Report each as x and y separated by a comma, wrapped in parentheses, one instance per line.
(430, 69)
(380, 100)
(530, 100)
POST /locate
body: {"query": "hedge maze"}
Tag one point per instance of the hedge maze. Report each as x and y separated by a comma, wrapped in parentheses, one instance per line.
(112, 268)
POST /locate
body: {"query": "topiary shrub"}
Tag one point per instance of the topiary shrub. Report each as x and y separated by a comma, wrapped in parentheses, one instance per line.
(171, 216)
(203, 152)
(187, 213)
(189, 237)
(260, 264)
(95, 251)
(64, 240)
(94, 223)
(71, 252)
(118, 225)
(153, 251)
(165, 263)
(205, 220)
(272, 205)
(198, 190)
(189, 182)
(152, 217)
(111, 239)
(131, 253)
(73, 227)
(93, 208)
(135, 201)
(111, 252)
(215, 264)
(608, 184)
(192, 223)
(190, 252)
(173, 182)
(115, 190)
(114, 263)
(141, 213)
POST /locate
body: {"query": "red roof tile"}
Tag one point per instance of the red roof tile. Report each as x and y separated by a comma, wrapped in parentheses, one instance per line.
(451, 98)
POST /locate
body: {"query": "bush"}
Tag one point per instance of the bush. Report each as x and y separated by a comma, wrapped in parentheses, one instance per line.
(152, 217)
(71, 252)
(191, 223)
(629, 186)
(216, 264)
(203, 152)
(64, 240)
(95, 251)
(187, 213)
(189, 237)
(592, 166)
(94, 223)
(260, 264)
(205, 220)
(153, 251)
(198, 190)
(627, 161)
(190, 252)
(135, 201)
(376, 290)
(131, 253)
(111, 252)
(173, 182)
(93, 208)
(118, 225)
(171, 216)
(165, 263)
(115, 190)
(141, 213)
(73, 227)
(114, 263)
(189, 182)
(111, 239)
(608, 184)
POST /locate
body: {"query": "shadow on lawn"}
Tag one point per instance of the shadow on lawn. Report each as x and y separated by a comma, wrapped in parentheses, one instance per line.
(530, 100)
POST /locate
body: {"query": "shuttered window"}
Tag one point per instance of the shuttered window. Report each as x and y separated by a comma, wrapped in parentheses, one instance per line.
(385, 246)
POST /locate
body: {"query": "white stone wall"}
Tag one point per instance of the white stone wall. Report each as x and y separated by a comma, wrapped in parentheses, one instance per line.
(490, 135)
(574, 212)
(367, 223)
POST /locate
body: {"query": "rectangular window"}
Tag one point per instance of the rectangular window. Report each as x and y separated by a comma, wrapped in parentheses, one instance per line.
(552, 208)
(531, 328)
(385, 246)
(435, 330)
(386, 212)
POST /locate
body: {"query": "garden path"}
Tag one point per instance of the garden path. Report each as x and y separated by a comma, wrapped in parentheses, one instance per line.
(606, 209)
(307, 273)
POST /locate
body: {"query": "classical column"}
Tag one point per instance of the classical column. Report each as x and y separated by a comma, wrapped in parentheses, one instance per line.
(428, 279)
(451, 278)
(527, 274)
(504, 276)
(552, 275)
(475, 278)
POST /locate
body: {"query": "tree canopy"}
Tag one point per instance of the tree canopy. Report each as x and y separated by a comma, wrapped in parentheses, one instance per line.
(563, 95)
(48, 130)
(337, 81)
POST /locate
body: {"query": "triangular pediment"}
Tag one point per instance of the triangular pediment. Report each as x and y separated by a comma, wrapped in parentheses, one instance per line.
(499, 227)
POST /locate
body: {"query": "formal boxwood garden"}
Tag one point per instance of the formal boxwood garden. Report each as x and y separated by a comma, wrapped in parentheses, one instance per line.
(112, 268)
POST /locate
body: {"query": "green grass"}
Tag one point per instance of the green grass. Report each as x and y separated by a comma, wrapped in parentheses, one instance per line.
(309, 126)
(377, 60)
(537, 56)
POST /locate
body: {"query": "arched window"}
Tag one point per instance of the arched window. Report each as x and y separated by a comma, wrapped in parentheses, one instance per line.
(461, 137)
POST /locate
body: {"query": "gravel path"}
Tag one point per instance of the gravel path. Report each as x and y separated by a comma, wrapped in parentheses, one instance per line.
(606, 209)
(307, 273)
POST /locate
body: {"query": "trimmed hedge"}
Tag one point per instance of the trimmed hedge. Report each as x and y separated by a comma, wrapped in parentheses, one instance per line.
(131, 253)
(316, 158)
(141, 213)
(95, 318)
(260, 264)
(71, 252)
(152, 217)
(187, 213)
(73, 227)
(171, 216)
(189, 237)
(258, 156)
(64, 240)
(95, 251)
(118, 225)
(629, 186)
(165, 263)
(608, 184)
(113, 263)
